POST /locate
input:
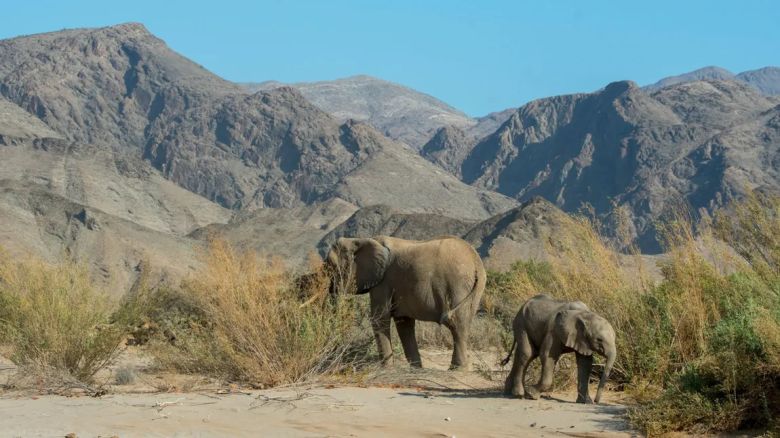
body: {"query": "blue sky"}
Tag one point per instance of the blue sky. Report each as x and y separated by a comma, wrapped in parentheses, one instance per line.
(478, 56)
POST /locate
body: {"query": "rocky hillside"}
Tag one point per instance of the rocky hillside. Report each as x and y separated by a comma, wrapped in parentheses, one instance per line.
(398, 112)
(701, 142)
(448, 148)
(123, 89)
(383, 220)
(766, 80)
(534, 230)
(118, 151)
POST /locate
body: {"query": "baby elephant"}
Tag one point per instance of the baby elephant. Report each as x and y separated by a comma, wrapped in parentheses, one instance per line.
(547, 328)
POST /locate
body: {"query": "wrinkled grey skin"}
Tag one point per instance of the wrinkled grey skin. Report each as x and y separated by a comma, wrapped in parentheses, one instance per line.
(440, 280)
(547, 328)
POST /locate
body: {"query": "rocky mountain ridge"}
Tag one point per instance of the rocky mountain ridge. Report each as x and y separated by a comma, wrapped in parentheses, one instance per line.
(121, 88)
(120, 152)
(622, 148)
(396, 111)
(765, 80)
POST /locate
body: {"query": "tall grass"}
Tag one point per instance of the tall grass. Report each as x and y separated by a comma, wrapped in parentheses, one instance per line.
(247, 321)
(53, 318)
(699, 348)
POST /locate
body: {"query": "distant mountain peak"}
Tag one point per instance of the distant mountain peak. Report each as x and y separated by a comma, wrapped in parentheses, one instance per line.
(130, 28)
(705, 73)
(395, 110)
(765, 79)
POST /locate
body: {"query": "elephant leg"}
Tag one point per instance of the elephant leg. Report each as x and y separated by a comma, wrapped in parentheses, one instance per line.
(459, 350)
(380, 322)
(584, 366)
(405, 328)
(524, 354)
(548, 355)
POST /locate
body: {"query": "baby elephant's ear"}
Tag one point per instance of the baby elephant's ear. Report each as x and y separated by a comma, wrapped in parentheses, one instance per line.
(572, 329)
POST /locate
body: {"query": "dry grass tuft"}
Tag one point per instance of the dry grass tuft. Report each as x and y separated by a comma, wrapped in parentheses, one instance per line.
(245, 320)
(699, 348)
(54, 319)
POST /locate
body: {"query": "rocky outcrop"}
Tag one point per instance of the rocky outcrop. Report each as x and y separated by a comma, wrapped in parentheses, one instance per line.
(623, 148)
(398, 112)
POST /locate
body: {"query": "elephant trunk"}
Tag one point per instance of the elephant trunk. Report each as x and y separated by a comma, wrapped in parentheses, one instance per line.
(610, 355)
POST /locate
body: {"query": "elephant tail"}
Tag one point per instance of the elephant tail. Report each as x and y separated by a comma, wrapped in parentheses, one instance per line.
(477, 289)
(509, 356)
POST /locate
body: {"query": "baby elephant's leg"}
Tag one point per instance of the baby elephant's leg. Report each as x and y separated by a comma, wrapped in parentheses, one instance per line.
(523, 355)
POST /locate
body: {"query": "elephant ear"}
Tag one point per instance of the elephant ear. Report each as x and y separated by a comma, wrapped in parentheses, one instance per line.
(371, 259)
(574, 331)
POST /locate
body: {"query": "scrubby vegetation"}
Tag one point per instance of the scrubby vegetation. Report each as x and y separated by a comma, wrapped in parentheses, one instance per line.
(242, 318)
(55, 320)
(698, 341)
(699, 346)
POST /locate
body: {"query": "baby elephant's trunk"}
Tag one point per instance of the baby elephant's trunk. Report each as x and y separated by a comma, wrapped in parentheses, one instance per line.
(610, 355)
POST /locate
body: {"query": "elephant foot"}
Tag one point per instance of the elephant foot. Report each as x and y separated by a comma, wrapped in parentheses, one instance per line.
(517, 393)
(508, 388)
(417, 365)
(532, 393)
(586, 400)
(459, 367)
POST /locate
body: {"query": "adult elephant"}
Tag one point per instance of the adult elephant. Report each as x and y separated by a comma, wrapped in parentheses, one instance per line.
(547, 328)
(438, 280)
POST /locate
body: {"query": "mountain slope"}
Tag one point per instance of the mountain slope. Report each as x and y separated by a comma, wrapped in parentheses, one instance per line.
(399, 112)
(702, 74)
(623, 147)
(17, 125)
(766, 80)
(448, 148)
(101, 85)
(383, 220)
(121, 88)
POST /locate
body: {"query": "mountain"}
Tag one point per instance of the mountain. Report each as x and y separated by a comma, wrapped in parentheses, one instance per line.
(383, 220)
(766, 80)
(123, 89)
(535, 230)
(112, 212)
(17, 125)
(622, 148)
(448, 148)
(398, 112)
(121, 153)
(289, 233)
(702, 74)
(488, 124)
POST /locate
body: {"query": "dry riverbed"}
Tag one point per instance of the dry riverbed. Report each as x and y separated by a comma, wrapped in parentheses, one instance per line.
(427, 403)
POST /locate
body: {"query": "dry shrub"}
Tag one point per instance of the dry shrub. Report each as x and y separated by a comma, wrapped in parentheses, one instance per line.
(699, 348)
(55, 319)
(580, 266)
(250, 323)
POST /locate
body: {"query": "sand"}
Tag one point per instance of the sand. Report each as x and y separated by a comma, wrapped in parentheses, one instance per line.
(311, 412)
(398, 403)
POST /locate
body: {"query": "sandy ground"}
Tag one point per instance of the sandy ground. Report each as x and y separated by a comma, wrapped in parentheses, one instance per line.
(428, 403)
